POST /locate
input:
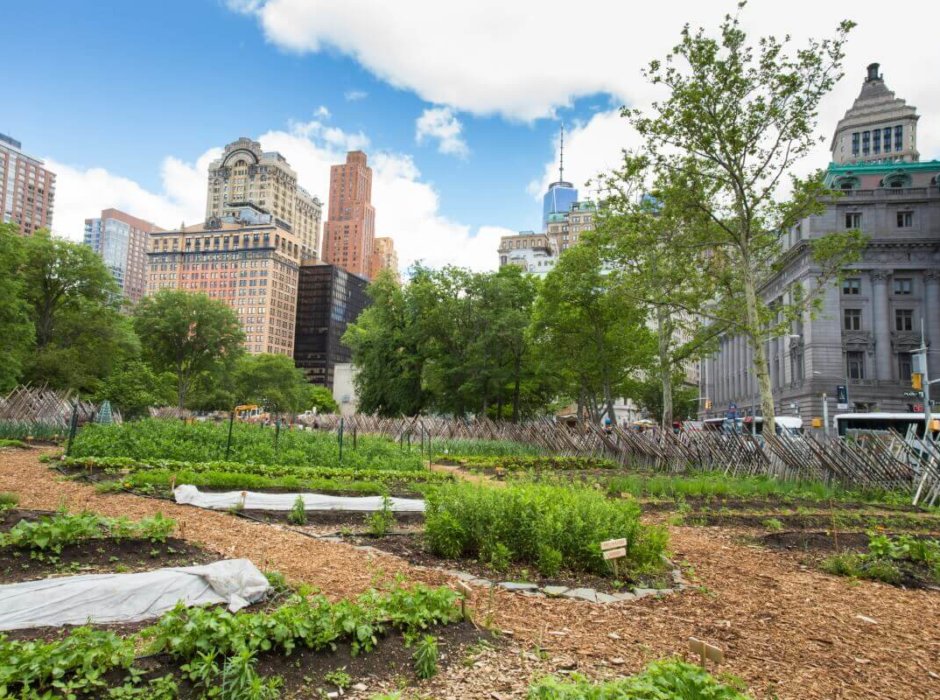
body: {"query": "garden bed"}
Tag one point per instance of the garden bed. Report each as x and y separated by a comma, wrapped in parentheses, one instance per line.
(338, 518)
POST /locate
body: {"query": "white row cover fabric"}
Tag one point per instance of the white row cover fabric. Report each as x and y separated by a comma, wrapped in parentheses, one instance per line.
(107, 598)
(252, 500)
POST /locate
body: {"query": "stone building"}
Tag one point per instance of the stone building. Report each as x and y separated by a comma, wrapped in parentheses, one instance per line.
(246, 174)
(248, 259)
(869, 324)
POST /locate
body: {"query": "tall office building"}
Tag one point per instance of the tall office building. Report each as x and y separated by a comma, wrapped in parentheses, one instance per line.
(328, 300)
(246, 174)
(121, 241)
(349, 233)
(384, 257)
(537, 253)
(27, 189)
(248, 259)
(561, 195)
(863, 335)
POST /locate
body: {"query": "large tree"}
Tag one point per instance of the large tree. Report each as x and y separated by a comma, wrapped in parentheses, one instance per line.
(734, 121)
(16, 329)
(272, 381)
(190, 335)
(133, 388)
(588, 330)
(80, 334)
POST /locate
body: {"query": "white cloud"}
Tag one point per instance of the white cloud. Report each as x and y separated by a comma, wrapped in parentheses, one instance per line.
(322, 112)
(81, 193)
(441, 123)
(527, 58)
(355, 95)
(407, 208)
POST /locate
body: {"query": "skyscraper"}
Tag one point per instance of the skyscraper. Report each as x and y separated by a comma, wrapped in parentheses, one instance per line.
(561, 195)
(121, 241)
(384, 257)
(27, 189)
(247, 175)
(350, 229)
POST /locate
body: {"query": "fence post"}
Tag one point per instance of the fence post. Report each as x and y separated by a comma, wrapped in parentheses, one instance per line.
(73, 427)
(355, 436)
(228, 444)
(340, 436)
(277, 433)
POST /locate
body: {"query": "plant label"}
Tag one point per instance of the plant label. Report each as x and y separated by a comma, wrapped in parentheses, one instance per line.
(613, 544)
(615, 553)
(706, 651)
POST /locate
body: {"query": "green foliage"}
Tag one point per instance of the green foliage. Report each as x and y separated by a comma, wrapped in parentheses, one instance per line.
(17, 332)
(187, 334)
(76, 664)
(549, 463)
(271, 381)
(460, 448)
(51, 533)
(339, 678)
(8, 500)
(240, 681)
(321, 399)
(20, 430)
(473, 521)
(888, 559)
(163, 688)
(251, 444)
(381, 521)
(134, 388)
(13, 443)
(298, 512)
(425, 657)
(661, 680)
(773, 524)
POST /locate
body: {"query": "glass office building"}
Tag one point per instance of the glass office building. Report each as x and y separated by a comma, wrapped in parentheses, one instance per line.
(328, 300)
(558, 200)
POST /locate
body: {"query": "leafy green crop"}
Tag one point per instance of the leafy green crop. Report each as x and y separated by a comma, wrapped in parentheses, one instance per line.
(425, 657)
(536, 524)
(536, 462)
(661, 680)
(888, 558)
(51, 533)
(206, 442)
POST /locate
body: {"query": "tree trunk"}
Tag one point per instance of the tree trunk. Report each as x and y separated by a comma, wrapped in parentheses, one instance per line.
(755, 337)
(664, 333)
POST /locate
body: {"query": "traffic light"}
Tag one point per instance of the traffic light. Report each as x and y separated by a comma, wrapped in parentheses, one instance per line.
(917, 381)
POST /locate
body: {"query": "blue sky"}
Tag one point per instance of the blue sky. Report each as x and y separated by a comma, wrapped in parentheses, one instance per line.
(126, 99)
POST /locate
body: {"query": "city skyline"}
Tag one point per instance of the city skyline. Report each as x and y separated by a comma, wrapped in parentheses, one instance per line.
(462, 152)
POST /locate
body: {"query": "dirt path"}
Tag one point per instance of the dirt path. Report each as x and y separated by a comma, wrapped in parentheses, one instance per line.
(789, 633)
(464, 475)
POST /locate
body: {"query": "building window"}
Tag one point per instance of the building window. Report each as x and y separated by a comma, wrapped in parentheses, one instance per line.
(887, 134)
(903, 286)
(852, 319)
(866, 142)
(876, 141)
(905, 219)
(903, 320)
(898, 139)
(851, 285)
(855, 365)
(855, 142)
(905, 367)
(853, 220)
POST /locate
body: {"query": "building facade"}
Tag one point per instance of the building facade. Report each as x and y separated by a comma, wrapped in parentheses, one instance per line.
(868, 325)
(384, 257)
(328, 300)
(121, 241)
(248, 259)
(349, 233)
(246, 174)
(537, 253)
(27, 189)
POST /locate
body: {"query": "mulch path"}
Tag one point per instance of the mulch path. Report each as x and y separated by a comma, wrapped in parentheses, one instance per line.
(789, 632)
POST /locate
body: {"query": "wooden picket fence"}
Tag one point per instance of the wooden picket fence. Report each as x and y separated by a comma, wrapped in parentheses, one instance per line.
(41, 406)
(873, 460)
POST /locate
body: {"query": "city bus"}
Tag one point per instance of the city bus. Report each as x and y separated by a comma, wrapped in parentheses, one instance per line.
(849, 423)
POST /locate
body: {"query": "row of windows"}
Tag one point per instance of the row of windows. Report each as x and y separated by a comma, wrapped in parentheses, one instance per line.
(903, 319)
(855, 365)
(877, 140)
(902, 286)
(904, 219)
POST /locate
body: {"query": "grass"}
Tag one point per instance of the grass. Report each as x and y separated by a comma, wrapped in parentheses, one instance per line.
(8, 500)
(5, 442)
(154, 439)
(671, 679)
(21, 430)
(549, 527)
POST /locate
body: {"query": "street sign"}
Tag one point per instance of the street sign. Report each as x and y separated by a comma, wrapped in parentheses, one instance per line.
(842, 397)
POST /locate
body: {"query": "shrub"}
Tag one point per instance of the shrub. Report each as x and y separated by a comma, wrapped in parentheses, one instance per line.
(298, 513)
(8, 500)
(661, 680)
(381, 521)
(473, 521)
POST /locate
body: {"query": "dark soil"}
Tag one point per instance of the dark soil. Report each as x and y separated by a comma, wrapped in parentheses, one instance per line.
(704, 504)
(332, 517)
(93, 556)
(816, 541)
(817, 521)
(411, 548)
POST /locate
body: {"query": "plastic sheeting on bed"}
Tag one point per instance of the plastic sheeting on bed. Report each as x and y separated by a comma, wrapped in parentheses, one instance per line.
(252, 500)
(115, 598)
